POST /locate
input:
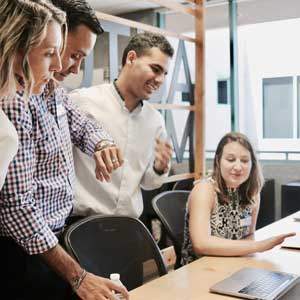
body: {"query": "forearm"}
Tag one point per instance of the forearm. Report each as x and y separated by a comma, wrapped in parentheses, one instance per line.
(224, 247)
(62, 263)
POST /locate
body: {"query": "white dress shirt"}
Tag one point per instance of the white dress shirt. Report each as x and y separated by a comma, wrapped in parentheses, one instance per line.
(8, 145)
(134, 133)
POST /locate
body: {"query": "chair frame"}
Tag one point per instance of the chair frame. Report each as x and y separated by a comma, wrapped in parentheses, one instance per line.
(167, 226)
(161, 265)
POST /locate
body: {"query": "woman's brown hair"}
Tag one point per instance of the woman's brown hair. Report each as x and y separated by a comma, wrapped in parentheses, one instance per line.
(253, 185)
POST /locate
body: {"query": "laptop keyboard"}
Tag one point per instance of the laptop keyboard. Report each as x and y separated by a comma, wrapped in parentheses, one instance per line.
(266, 284)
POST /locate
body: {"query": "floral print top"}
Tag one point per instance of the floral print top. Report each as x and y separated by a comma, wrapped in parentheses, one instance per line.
(229, 220)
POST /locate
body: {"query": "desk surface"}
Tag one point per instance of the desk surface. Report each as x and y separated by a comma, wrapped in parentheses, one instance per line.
(192, 282)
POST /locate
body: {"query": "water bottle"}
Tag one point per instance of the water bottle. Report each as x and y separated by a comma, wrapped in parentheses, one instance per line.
(115, 277)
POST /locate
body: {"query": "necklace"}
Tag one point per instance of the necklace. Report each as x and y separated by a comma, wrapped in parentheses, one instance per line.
(233, 196)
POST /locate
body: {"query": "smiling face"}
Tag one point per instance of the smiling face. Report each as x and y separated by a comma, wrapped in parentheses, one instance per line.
(147, 72)
(44, 59)
(235, 164)
(80, 43)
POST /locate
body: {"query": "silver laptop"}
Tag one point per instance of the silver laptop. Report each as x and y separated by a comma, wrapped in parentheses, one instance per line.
(252, 283)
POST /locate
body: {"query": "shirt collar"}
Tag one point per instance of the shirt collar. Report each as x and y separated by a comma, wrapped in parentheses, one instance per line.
(119, 93)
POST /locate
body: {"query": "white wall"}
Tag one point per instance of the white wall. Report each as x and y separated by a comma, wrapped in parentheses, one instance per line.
(265, 50)
(217, 66)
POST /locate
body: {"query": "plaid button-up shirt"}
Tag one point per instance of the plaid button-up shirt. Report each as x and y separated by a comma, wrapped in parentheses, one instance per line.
(38, 194)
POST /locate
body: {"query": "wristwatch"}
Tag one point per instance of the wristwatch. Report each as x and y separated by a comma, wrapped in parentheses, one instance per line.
(104, 144)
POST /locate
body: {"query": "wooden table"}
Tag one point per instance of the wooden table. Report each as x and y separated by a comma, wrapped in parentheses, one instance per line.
(192, 282)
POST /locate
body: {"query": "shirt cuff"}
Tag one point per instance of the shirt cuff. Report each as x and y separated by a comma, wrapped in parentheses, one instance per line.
(156, 174)
(160, 173)
(40, 242)
(94, 140)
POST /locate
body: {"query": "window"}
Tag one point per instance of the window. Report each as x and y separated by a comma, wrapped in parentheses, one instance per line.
(278, 120)
(223, 91)
(186, 96)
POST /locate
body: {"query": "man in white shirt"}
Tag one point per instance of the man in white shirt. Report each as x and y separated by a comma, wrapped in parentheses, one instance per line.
(134, 124)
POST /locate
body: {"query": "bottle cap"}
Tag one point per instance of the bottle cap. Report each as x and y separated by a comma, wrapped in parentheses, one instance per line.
(114, 276)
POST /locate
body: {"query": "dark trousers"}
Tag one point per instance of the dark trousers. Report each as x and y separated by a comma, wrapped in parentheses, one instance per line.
(27, 277)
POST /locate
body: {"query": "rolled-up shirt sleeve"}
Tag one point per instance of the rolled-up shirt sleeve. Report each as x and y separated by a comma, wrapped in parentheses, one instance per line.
(20, 217)
(85, 133)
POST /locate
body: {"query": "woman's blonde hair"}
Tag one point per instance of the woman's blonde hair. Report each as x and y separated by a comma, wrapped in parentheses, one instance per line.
(23, 26)
(253, 185)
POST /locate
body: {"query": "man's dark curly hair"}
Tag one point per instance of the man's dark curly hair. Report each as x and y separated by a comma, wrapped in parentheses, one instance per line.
(79, 12)
(142, 42)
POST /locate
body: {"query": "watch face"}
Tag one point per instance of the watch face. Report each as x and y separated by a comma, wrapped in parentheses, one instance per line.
(103, 144)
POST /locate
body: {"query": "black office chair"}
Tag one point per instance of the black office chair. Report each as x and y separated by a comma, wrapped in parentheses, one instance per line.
(115, 244)
(170, 208)
(184, 185)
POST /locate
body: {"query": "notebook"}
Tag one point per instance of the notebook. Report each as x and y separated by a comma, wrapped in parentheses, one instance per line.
(292, 242)
(252, 283)
(297, 217)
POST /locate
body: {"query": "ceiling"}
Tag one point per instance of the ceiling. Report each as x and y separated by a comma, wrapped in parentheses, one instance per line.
(116, 7)
(249, 11)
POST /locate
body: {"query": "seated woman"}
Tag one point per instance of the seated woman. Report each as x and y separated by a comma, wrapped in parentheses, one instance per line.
(222, 209)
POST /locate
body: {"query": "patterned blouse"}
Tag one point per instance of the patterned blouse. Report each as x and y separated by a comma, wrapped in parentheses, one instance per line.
(230, 221)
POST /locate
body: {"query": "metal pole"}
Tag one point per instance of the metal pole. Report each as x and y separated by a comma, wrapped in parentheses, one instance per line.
(234, 92)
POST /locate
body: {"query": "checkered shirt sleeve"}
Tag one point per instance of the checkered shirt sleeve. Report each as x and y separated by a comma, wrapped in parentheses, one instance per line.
(85, 133)
(20, 216)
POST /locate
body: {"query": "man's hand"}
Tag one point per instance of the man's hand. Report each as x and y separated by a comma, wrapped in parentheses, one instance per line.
(107, 160)
(98, 288)
(163, 153)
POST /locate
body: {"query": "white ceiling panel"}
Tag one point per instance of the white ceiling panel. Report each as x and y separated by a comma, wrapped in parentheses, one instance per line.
(116, 7)
(250, 11)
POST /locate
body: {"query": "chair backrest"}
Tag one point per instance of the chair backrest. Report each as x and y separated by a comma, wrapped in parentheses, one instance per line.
(185, 184)
(170, 208)
(115, 244)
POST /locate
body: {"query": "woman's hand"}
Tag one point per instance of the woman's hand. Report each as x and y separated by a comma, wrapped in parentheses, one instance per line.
(270, 243)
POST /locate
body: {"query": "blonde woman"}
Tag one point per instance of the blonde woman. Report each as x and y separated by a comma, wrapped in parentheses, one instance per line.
(32, 35)
(22, 25)
(222, 210)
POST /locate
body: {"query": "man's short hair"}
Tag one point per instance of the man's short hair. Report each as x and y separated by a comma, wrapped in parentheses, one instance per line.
(142, 42)
(79, 12)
